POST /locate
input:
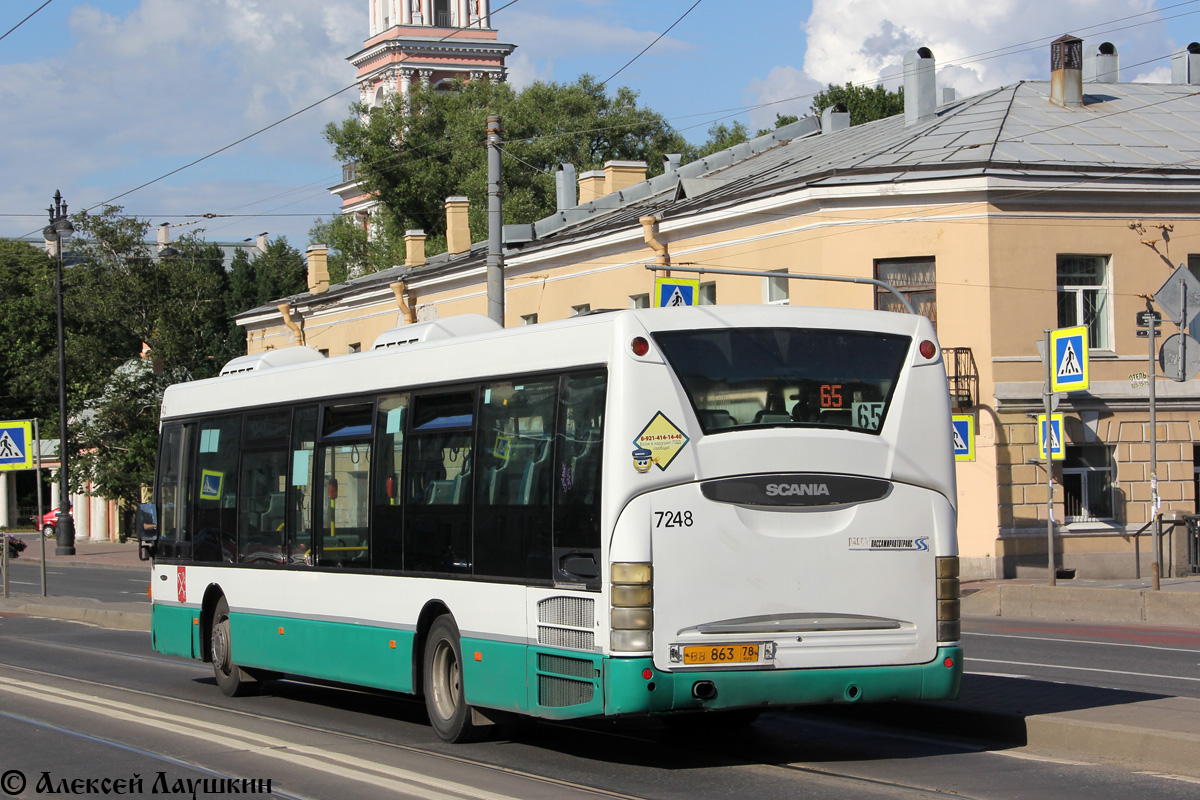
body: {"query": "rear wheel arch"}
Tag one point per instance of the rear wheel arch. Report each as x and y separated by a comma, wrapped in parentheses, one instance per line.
(432, 610)
(212, 595)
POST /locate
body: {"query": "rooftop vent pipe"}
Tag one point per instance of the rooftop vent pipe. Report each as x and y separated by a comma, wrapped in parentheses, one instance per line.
(835, 118)
(671, 161)
(565, 189)
(920, 87)
(1185, 65)
(1102, 65)
(1066, 71)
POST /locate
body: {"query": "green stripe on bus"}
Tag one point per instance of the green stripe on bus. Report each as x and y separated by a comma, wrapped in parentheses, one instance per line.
(628, 691)
(172, 630)
(363, 654)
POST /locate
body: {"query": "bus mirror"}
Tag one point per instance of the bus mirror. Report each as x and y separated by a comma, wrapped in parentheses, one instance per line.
(582, 565)
(145, 524)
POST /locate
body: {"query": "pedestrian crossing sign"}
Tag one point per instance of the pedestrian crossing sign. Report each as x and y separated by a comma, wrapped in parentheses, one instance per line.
(1069, 370)
(672, 292)
(16, 445)
(962, 428)
(1051, 434)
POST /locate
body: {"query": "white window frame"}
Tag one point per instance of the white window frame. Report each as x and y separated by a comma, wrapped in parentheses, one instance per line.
(1085, 500)
(1100, 337)
(774, 287)
(529, 319)
(708, 294)
(639, 301)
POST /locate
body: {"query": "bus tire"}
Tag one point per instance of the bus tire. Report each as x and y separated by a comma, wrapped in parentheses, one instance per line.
(445, 700)
(233, 680)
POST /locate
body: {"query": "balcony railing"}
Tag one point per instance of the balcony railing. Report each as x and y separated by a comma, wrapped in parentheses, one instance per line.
(962, 377)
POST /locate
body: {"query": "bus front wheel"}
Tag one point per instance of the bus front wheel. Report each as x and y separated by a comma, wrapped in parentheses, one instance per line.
(445, 700)
(233, 680)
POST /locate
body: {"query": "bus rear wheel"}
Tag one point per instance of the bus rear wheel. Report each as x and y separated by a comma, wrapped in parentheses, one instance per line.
(233, 680)
(445, 699)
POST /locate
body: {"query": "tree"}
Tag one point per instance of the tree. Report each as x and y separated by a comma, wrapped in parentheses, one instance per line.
(412, 154)
(28, 361)
(720, 137)
(780, 121)
(864, 104)
(276, 273)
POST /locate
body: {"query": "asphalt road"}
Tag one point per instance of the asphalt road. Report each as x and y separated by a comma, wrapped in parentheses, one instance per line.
(98, 583)
(78, 702)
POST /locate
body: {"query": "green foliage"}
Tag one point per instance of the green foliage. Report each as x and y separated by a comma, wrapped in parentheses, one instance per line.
(28, 361)
(864, 104)
(279, 272)
(352, 253)
(413, 159)
(780, 121)
(720, 137)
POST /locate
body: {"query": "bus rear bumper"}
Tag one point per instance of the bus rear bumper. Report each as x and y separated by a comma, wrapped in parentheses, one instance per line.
(628, 690)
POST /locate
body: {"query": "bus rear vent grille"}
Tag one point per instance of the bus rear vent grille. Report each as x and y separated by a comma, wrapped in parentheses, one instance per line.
(575, 667)
(564, 637)
(567, 622)
(574, 612)
(559, 692)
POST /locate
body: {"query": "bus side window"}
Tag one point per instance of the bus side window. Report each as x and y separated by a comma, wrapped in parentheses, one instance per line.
(215, 498)
(300, 487)
(578, 443)
(512, 494)
(261, 532)
(387, 523)
(438, 480)
(174, 470)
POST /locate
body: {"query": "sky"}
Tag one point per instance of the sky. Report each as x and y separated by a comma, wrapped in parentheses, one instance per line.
(100, 98)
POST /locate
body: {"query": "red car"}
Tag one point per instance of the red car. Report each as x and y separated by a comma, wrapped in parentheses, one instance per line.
(48, 522)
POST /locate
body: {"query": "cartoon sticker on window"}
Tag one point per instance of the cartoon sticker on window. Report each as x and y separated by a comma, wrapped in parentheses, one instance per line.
(663, 439)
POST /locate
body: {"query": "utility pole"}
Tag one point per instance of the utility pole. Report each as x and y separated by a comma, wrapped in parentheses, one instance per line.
(495, 251)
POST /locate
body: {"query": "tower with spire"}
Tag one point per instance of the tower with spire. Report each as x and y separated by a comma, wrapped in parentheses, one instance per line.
(428, 41)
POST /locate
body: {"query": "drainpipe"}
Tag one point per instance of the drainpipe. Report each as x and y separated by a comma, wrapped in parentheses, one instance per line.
(285, 310)
(401, 291)
(664, 258)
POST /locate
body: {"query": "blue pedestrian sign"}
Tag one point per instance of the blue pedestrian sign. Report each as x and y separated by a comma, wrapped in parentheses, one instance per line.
(672, 292)
(963, 431)
(1051, 435)
(1069, 369)
(16, 445)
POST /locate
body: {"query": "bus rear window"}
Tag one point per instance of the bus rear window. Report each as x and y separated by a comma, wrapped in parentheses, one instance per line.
(743, 378)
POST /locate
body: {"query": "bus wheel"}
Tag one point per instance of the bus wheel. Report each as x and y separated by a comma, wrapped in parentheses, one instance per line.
(445, 701)
(233, 680)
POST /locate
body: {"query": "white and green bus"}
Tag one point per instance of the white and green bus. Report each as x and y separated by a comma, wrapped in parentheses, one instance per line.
(642, 512)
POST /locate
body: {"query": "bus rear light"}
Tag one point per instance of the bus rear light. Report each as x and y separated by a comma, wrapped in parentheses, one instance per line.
(949, 607)
(631, 596)
(631, 599)
(633, 619)
(928, 349)
(631, 641)
(640, 346)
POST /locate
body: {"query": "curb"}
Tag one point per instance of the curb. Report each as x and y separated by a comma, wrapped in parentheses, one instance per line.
(102, 617)
(1067, 603)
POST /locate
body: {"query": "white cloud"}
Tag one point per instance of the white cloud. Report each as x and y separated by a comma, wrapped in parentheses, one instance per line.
(977, 45)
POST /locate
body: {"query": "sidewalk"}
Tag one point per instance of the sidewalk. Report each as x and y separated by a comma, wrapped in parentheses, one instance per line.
(1151, 730)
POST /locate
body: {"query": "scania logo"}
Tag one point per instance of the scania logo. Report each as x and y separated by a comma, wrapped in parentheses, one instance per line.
(791, 489)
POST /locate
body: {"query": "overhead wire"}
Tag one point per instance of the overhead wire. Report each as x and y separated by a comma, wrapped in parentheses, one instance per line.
(647, 47)
(22, 22)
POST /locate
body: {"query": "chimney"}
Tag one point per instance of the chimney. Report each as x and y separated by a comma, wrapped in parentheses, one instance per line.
(414, 248)
(948, 95)
(591, 185)
(261, 243)
(318, 268)
(671, 162)
(623, 174)
(458, 230)
(920, 87)
(565, 189)
(1066, 71)
(835, 118)
(164, 235)
(1102, 65)
(1185, 65)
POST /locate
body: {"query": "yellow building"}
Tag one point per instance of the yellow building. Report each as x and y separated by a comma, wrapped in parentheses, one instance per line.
(1031, 207)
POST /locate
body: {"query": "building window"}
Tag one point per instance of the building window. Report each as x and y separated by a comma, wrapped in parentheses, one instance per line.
(1087, 483)
(915, 278)
(1193, 263)
(708, 293)
(529, 319)
(324, 351)
(581, 309)
(778, 289)
(355, 347)
(639, 301)
(1083, 296)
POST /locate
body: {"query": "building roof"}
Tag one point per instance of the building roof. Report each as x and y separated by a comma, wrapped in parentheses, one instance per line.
(1132, 130)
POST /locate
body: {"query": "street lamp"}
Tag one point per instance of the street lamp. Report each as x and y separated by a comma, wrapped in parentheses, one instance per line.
(58, 231)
